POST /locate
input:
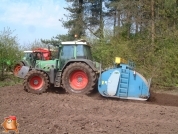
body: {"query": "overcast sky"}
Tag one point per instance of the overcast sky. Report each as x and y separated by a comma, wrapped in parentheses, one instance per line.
(32, 19)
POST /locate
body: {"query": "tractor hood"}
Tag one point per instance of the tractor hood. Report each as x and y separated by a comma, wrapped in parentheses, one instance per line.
(45, 65)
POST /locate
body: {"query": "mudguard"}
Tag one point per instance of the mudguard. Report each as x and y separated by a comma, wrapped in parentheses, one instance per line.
(88, 62)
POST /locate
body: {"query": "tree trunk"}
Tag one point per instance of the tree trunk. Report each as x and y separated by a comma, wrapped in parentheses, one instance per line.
(136, 26)
(101, 20)
(175, 10)
(2, 70)
(118, 21)
(128, 21)
(80, 19)
(114, 28)
(152, 23)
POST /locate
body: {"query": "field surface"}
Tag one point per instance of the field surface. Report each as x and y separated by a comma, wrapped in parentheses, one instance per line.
(57, 112)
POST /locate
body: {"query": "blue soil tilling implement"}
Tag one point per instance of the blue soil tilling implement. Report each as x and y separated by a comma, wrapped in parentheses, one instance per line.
(123, 82)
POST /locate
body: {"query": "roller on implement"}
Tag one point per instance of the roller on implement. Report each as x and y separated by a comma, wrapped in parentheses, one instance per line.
(123, 82)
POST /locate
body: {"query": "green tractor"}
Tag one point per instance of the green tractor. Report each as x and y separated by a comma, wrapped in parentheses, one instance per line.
(72, 68)
(30, 58)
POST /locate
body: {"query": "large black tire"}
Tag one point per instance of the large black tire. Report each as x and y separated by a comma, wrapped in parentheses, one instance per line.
(78, 78)
(17, 68)
(36, 82)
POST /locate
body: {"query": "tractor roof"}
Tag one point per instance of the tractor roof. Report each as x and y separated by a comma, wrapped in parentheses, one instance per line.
(43, 50)
(81, 42)
(27, 51)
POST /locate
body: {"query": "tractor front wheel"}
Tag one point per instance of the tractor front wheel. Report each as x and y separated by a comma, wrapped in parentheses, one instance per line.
(78, 78)
(36, 82)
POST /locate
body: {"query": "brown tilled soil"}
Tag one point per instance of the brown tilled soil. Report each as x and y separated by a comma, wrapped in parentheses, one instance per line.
(56, 112)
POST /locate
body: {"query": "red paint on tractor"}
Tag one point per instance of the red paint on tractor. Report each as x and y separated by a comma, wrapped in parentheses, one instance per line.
(78, 80)
(46, 53)
(36, 82)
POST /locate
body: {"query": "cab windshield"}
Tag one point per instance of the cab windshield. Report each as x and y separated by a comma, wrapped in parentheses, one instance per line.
(83, 51)
(76, 52)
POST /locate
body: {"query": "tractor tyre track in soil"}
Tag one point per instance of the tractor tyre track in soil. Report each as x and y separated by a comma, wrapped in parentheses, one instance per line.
(57, 112)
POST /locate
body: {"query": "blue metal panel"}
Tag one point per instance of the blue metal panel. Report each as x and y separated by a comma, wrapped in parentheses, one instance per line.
(102, 87)
(138, 86)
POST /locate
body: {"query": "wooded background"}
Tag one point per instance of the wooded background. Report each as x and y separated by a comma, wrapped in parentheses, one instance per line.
(144, 31)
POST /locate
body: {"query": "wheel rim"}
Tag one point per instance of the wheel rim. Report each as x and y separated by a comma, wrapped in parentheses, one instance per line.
(36, 82)
(17, 69)
(78, 80)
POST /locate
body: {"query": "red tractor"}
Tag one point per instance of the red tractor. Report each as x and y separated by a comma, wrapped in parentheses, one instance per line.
(30, 58)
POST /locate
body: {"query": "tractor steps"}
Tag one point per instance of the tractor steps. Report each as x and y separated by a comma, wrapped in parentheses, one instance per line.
(124, 83)
(57, 80)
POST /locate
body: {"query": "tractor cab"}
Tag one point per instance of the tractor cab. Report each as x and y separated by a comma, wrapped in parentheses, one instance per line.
(76, 50)
(65, 52)
(26, 54)
(36, 54)
(42, 54)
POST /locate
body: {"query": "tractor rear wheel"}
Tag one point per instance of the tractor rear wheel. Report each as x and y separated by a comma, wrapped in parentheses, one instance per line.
(36, 82)
(78, 78)
(17, 68)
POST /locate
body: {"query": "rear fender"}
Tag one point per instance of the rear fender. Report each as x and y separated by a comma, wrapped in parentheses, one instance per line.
(25, 69)
(88, 62)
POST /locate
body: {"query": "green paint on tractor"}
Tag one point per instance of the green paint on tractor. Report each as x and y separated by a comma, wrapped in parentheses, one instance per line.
(45, 65)
(71, 67)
